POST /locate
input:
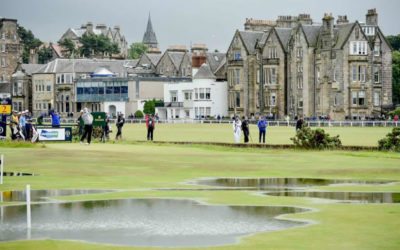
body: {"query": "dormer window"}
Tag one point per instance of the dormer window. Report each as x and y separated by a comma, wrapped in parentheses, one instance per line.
(377, 50)
(237, 55)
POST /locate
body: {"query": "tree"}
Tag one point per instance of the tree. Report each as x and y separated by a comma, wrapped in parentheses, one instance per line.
(28, 41)
(69, 45)
(149, 107)
(45, 54)
(136, 50)
(394, 41)
(396, 77)
(97, 45)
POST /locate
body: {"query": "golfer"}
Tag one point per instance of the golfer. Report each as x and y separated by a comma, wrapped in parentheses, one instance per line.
(88, 122)
(262, 128)
(237, 128)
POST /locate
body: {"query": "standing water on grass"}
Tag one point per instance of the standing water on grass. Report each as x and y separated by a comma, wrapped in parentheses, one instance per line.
(143, 222)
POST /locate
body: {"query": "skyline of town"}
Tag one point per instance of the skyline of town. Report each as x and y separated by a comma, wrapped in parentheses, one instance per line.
(204, 23)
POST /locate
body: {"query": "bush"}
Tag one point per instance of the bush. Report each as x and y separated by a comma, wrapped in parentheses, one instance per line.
(315, 139)
(138, 114)
(395, 112)
(391, 141)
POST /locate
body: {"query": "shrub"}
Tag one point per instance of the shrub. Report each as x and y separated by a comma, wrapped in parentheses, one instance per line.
(391, 141)
(315, 139)
(138, 114)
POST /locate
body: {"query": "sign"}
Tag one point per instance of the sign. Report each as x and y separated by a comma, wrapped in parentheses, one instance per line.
(5, 104)
(55, 134)
(99, 119)
(3, 126)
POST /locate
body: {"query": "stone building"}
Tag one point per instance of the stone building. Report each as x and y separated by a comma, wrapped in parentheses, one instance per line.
(175, 62)
(114, 34)
(341, 70)
(10, 51)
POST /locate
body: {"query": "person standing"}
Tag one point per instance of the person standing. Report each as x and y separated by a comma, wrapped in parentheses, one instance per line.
(246, 129)
(299, 123)
(88, 126)
(22, 123)
(237, 128)
(262, 129)
(55, 119)
(120, 123)
(150, 127)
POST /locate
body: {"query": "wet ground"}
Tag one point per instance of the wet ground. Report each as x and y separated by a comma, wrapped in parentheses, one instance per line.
(143, 222)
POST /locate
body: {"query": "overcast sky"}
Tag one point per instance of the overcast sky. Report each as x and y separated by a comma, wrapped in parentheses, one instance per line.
(212, 22)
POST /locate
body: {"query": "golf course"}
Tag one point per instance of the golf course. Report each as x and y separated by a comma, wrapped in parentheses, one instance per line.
(133, 168)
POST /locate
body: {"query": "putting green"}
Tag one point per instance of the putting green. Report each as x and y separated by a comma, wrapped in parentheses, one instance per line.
(139, 168)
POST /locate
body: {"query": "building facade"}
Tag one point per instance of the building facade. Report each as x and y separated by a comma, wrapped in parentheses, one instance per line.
(10, 51)
(298, 68)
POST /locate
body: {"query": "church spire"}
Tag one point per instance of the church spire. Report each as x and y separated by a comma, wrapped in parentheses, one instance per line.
(149, 37)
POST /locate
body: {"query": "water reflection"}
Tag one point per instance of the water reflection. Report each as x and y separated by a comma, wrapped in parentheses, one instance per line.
(278, 183)
(41, 195)
(143, 222)
(363, 197)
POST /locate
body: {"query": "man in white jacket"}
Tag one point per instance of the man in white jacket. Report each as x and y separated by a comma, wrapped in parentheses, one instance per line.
(88, 122)
(237, 128)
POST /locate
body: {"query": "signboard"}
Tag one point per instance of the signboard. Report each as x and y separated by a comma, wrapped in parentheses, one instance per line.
(55, 134)
(99, 119)
(3, 126)
(5, 104)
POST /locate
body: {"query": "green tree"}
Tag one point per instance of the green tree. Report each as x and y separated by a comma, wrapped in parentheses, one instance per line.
(394, 41)
(396, 77)
(149, 107)
(29, 41)
(45, 54)
(69, 45)
(97, 45)
(136, 50)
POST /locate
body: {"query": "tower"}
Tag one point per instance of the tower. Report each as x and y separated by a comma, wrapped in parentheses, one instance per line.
(149, 37)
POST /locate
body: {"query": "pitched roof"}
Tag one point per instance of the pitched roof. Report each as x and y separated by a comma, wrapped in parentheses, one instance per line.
(154, 58)
(204, 72)
(149, 36)
(343, 32)
(57, 49)
(311, 32)
(176, 57)
(29, 69)
(250, 38)
(214, 59)
(284, 35)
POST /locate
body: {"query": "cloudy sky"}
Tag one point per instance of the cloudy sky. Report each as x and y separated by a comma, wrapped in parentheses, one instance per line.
(183, 21)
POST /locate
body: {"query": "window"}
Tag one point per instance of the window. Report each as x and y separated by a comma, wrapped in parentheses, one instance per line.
(300, 104)
(300, 82)
(3, 35)
(68, 78)
(174, 96)
(377, 78)
(188, 96)
(201, 93)
(270, 75)
(377, 50)
(235, 76)
(272, 99)
(358, 98)
(62, 78)
(299, 68)
(196, 94)
(335, 100)
(208, 93)
(377, 98)
(359, 73)
(357, 32)
(58, 79)
(358, 48)
(187, 113)
(258, 76)
(3, 48)
(3, 62)
(48, 88)
(318, 74)
(208, 111)
(237, 101)
(196, 112)
(272, 53)
(299, 52)
(335, 74)
(237, 55)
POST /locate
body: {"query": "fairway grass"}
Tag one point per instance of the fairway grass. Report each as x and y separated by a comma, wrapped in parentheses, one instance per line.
(139, 170)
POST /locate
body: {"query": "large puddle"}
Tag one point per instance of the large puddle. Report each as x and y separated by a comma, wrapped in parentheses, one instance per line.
(282, 183)
(143, 222)
(43, 195)
(362, 197)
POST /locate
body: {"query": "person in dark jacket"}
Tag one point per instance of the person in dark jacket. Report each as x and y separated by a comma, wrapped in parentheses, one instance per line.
(55, 119)
(150, 124)
(299, 123)
(262, 128)
(120, 124)
(246, 129)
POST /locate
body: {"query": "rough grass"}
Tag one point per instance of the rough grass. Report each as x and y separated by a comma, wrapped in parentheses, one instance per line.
(139, 168)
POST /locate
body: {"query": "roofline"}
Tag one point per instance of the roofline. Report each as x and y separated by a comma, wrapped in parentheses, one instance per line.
(384, 38)
(348, 35)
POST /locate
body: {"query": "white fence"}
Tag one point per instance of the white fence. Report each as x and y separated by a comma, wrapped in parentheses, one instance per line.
(348, 123)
